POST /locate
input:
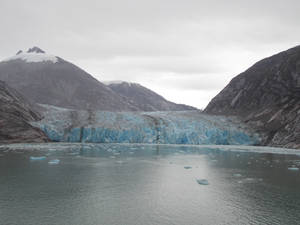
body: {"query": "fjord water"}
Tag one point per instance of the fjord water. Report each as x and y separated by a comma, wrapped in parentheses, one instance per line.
(110, 184)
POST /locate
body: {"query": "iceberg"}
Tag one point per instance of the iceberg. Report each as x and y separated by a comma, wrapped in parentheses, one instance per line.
(54, 162)
(187, 167)
(237, 175)
(293, 168)
(202, 181)
(33, 158)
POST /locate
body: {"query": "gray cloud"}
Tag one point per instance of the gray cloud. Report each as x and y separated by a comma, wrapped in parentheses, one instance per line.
(191, 47)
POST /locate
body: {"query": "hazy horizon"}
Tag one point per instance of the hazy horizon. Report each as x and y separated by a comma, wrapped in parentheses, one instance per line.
(186, 51)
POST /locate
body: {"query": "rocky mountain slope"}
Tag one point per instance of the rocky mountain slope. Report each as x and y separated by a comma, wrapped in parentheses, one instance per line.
(15, 117)
(145, 99)
(48, 79)
(266, 96)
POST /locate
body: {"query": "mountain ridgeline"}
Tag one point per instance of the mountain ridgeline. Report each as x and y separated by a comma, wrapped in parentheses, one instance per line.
(48, 79)
(267, 97)
(145, 99)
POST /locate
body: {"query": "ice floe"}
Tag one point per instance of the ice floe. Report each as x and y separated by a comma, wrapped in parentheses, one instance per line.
(202, 181)
(36, 158)
(54, 162)
(187, 167)
(293, 168)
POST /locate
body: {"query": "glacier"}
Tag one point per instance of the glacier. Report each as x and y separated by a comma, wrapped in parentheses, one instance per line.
(181, 127)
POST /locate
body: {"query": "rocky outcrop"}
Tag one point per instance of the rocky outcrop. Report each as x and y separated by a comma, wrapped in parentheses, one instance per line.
(145, 99)
(267, 97)
(15, 117)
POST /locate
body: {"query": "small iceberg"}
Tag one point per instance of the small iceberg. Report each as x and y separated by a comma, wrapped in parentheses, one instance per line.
(33, 158)
(187, 167)
(202, 181)
(293, 168)
(54, 162)
(237, 175)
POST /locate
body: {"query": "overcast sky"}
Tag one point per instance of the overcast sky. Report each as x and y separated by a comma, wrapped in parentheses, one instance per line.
(186, 50)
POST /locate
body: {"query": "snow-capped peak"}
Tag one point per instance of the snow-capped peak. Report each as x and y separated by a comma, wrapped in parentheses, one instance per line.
(113, 82)
(33, 54)
(116, 82)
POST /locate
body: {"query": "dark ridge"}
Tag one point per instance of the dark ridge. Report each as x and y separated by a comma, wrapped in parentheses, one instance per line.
(267, 96)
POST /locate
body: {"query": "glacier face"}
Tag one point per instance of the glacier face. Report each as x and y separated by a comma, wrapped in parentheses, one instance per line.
(185, 127)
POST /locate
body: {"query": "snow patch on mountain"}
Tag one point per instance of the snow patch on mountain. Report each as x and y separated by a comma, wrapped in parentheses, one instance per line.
(117, 82)
(33, 57)
(34, 54)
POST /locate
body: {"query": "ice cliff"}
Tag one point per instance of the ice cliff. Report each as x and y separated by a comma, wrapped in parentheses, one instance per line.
(187, 127)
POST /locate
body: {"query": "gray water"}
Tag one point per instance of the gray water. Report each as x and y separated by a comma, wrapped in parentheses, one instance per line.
(147, 185)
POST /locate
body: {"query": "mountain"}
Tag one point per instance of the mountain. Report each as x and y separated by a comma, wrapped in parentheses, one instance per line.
(15, 117)
(145, 99)
(267, 96)
(48, 79)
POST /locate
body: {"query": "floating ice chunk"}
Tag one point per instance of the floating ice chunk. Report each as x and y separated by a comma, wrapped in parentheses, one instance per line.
(237, 175)
(202, 181)
(54, 162)
(293, 168)
(37, 158)
(187, 167)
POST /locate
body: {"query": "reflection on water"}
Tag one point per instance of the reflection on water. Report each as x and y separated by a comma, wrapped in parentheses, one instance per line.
(147, 184)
